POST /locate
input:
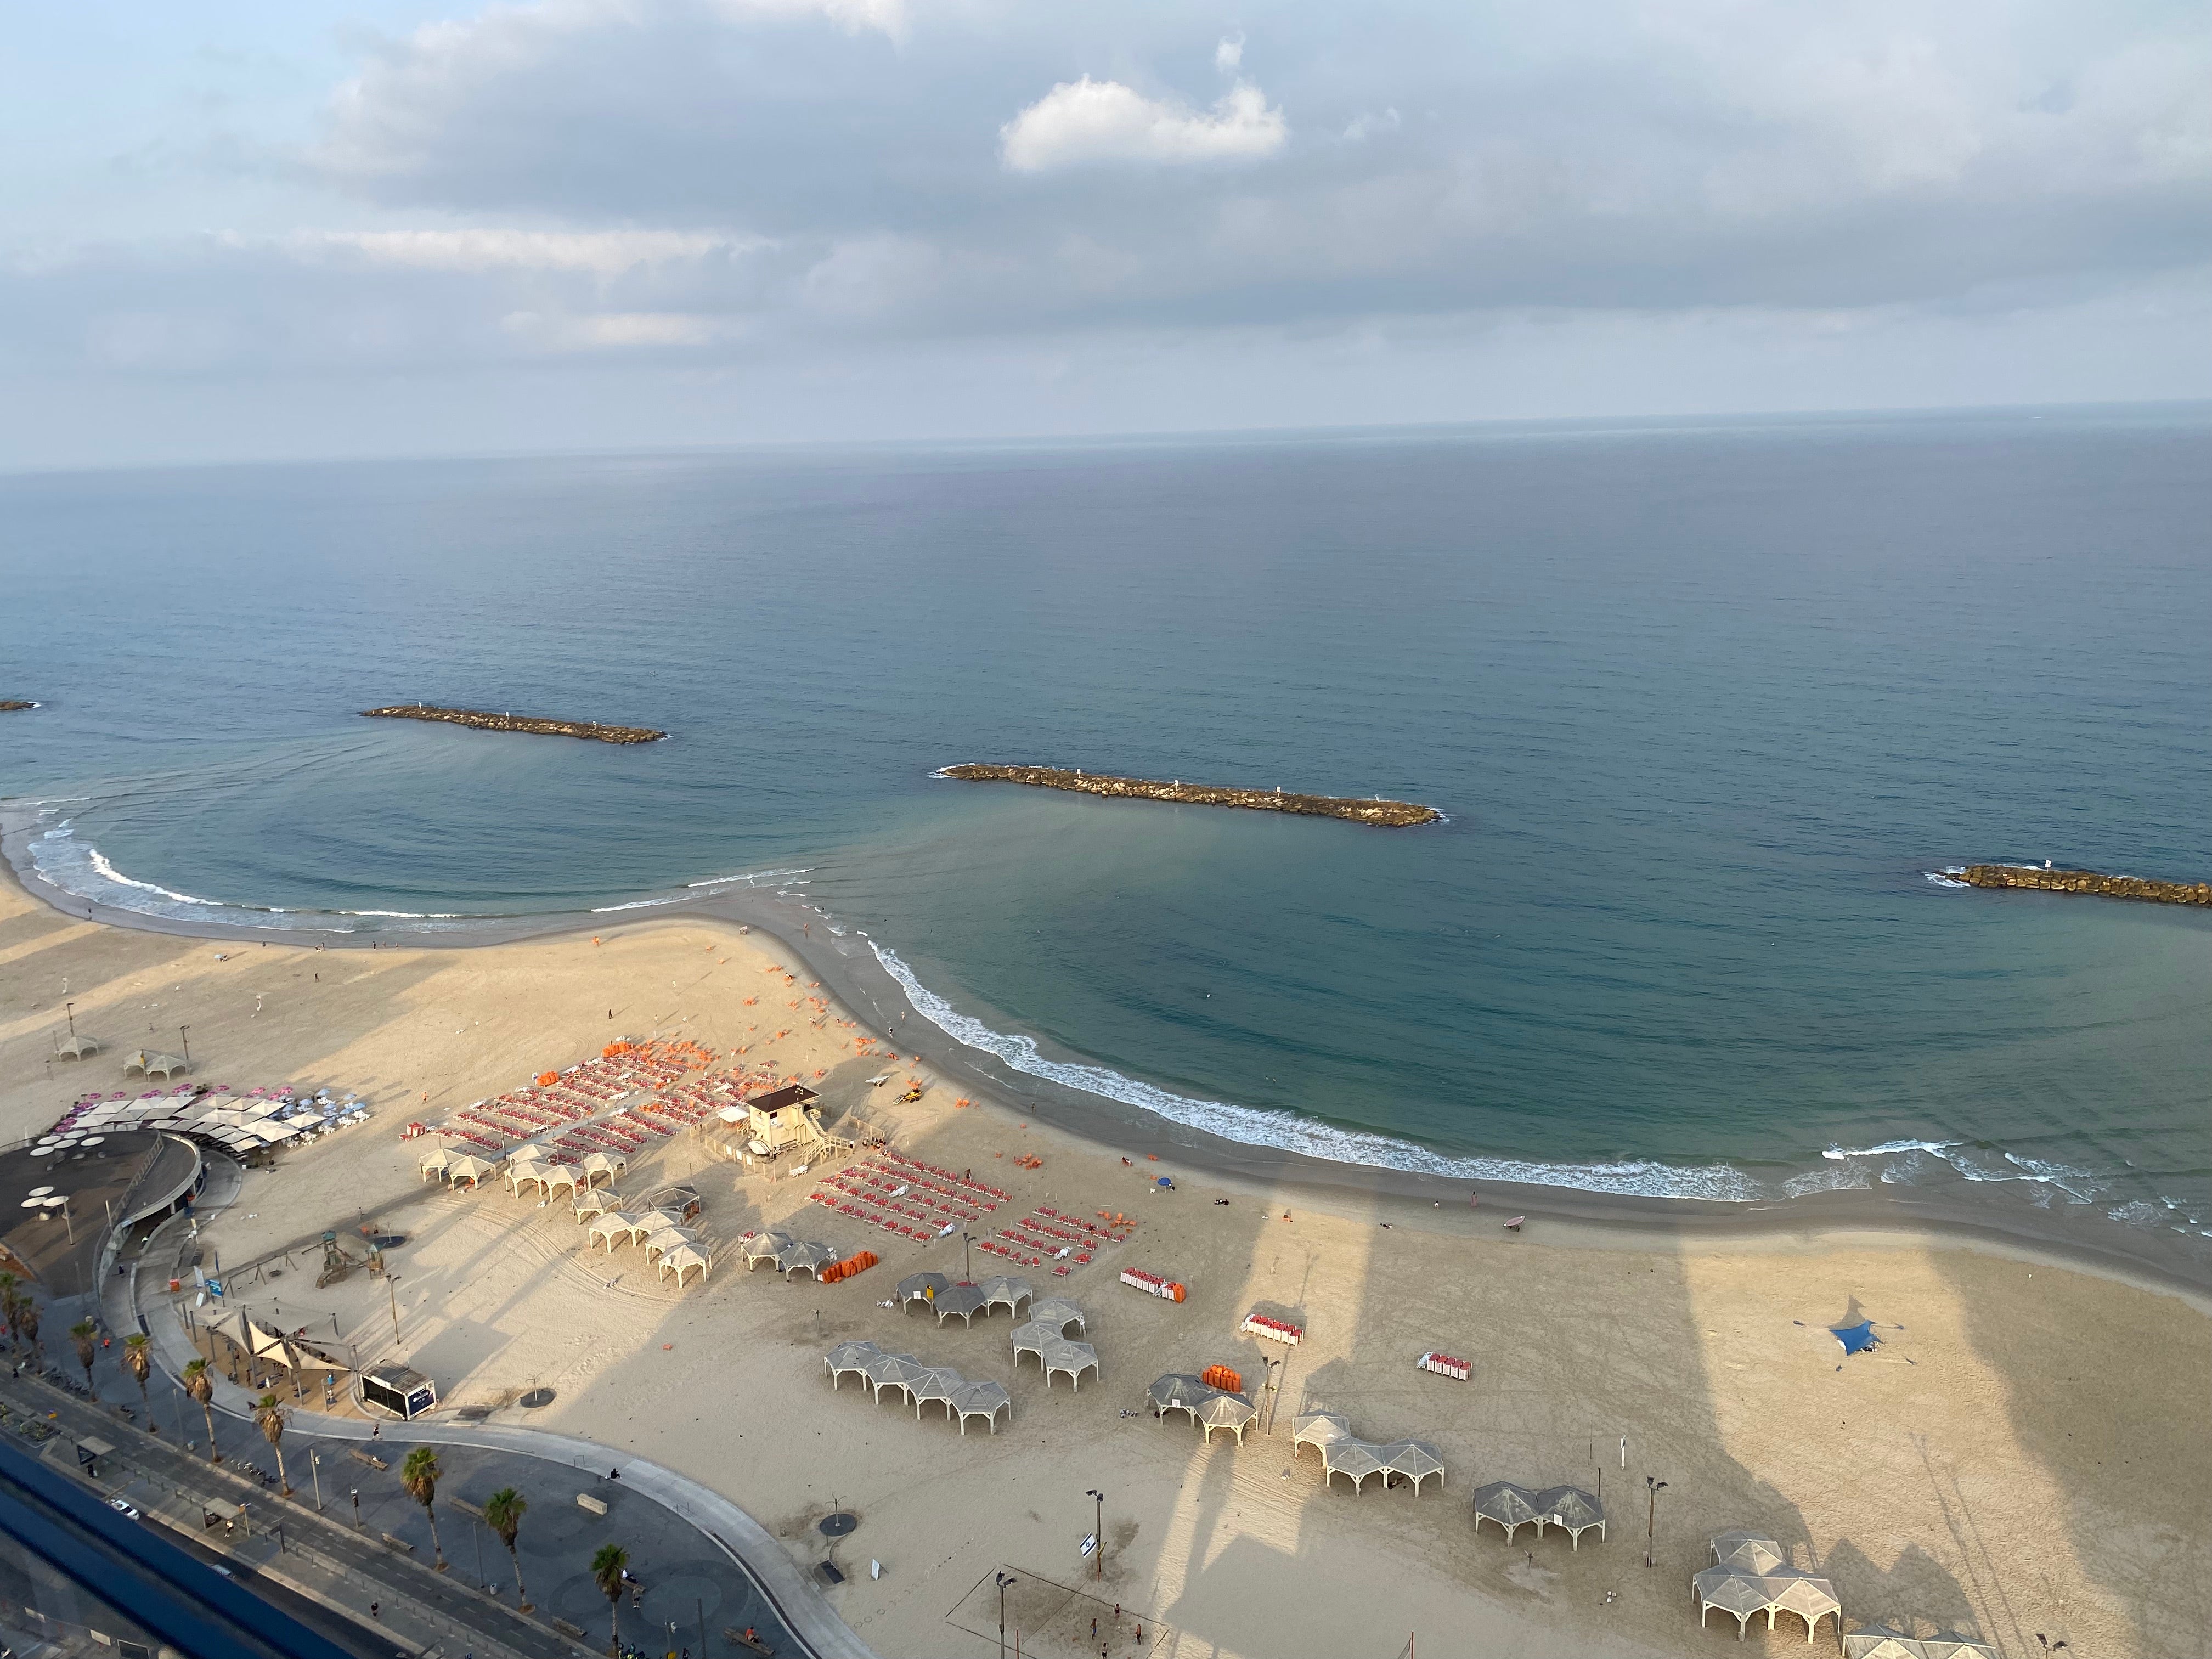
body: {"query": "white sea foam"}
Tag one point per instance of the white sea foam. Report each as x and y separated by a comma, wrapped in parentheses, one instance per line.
(754, 878)
(637, 904)
(1889, 1147)
(99, 862)
(408, 915)
(1949, 876)
(1255, 1126)
(1827, 1180)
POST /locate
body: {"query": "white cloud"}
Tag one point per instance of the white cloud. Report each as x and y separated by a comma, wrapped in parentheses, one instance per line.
(1230, 53)
(1089, 120)
(600, 253)
(613, 330)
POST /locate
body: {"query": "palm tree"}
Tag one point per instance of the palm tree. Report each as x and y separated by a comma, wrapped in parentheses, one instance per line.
(82, 1333)
(137, 1359)
(607, 1569)
(26, 1320)
(419, 1474)
(270, 1418)
(200, 1384)
(502, 1512)
(10, 1300)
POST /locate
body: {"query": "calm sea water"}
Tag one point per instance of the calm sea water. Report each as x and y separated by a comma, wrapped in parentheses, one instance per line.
(1705, 707)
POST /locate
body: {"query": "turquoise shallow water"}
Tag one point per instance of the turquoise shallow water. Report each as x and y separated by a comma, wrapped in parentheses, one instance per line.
(1705, 707)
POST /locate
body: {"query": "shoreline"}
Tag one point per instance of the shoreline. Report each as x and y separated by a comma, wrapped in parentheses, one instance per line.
(847, 964)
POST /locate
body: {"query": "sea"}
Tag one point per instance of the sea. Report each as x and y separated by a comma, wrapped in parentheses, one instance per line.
(1710, 708)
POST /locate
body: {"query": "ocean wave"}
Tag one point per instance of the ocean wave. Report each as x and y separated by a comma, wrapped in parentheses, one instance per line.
(408, 915)
(1827, 1180)
(637, 904)
(1888, 1147)
(99, 861)
(1254, 1126)
(1948, 875)
(752, 877)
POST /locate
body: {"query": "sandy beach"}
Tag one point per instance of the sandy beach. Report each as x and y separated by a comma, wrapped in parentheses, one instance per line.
(2025, 1453)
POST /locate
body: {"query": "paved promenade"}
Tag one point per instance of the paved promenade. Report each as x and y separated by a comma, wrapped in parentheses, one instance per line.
(705, 1565)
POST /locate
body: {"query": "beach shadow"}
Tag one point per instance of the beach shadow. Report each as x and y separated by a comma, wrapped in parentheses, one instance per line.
(2132, 1458)
(1915, 1587)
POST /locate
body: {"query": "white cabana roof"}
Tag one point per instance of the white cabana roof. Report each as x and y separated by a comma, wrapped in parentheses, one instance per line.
(765, 1246)
(805, 1257)
(982, 1399)
(463, 1167)
(1059, 1313)
(937, 1382)
(607, 1227)
(599, 1202)
(922, 1288)
(893, 1370)
(1232, 1412)
(1329, 1433)
(1743, 1595)
(1008, 1289)
(1059, 1354)
(662, 1240)
(683, 1258)
(853, 1357)
(1511, 1506)
(604, 1163)
(1569, 1507)
(1749, 1551)
(964, 1300)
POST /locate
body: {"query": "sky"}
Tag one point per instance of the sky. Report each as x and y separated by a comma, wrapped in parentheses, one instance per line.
(339, 227)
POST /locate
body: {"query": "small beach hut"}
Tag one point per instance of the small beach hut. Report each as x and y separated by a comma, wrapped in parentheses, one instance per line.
(982, 1399)
(434, 1162)
(1949, 1644)
(1511, 1506)
(921, 1287)
(1232, 1412)
(462, 1167)
(599, 1203)
(75, 1046)
(662, 1240)
(849, 1356)
(153, 1063)
(805, 1257)
(964, 1300)
(1881, 1641)
(937, 1382)
(1179, 1391)
(1356, 1460)
(602, 1166)
(1416, 1460)
(1009, 1290)
(893, 1371)
(1810, 1598)
(1059, 1354)
(1734, 1592)
(1748, 1551)
(766, 1247)
(606, 1228)
(683, 1258)
(1059, 1313)
(1569, 1507)
(527, 1173)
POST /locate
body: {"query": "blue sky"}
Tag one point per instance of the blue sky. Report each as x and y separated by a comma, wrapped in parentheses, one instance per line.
(317, 229)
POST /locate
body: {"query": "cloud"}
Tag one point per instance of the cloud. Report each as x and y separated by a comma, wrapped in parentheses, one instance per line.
(1229, 53)
(603, 253)
(1089, 120)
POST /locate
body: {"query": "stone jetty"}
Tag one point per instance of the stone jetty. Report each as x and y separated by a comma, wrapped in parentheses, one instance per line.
(2087, 881)
(1392, 813)
(488, 722)
(9, 705)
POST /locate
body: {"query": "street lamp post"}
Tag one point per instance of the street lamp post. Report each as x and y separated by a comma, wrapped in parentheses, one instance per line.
(967, 1258)
(1653, 1486)
(356, 1508)
(390, 1280)
(1005, 1579)
(315, 1463)
(1098, 1532)
(183, 1038)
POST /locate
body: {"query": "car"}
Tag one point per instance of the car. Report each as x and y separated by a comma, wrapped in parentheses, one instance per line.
(122, 1507)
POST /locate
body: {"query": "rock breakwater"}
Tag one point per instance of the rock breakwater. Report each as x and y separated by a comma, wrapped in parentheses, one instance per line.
(9, 705)
(2087, 881)
(490, 722)
(1394, 814)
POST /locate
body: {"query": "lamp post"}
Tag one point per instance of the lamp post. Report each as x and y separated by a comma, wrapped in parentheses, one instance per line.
(356, 1508)
(1653, 1487)
(1005, 1579)
(1098, 1531)
(69, 1008)
(967, 1258)
(315, 1463)
(183, 1038)
(390, 1280)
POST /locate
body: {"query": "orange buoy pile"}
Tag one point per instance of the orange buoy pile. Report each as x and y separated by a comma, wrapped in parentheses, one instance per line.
(547, 1079)
(859, 1264)
(1221, 1378)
